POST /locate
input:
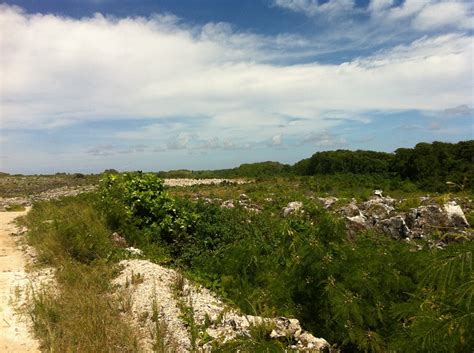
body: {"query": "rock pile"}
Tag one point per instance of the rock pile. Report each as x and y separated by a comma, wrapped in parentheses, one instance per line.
(170, 296)
(46, 195)
(191, 182)
(380, 213)
(243, 201)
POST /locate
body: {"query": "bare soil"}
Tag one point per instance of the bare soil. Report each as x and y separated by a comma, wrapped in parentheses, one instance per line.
(15, 333)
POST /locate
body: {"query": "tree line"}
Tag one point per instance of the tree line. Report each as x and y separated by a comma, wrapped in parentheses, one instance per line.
(435, 166)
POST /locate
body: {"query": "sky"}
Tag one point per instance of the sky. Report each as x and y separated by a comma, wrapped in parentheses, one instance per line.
(87, 85)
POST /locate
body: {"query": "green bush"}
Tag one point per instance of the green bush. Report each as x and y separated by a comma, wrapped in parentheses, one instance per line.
(138, 201)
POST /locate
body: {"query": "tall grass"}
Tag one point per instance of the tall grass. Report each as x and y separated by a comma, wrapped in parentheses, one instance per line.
(81, 314)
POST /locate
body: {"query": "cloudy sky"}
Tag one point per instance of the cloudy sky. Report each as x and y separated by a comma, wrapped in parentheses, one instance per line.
(202, 84)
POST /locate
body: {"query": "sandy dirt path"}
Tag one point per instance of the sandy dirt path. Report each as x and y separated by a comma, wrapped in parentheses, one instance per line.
(15, 336)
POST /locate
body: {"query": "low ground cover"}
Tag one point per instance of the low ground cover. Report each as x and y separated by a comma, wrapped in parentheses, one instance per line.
(363, 293)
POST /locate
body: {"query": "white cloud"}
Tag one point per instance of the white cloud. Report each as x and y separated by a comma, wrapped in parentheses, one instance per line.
(423, 15)
(443, 14)
(59, 71)
(312, 7)
(277, 140)
(376, 6)
(324, 139)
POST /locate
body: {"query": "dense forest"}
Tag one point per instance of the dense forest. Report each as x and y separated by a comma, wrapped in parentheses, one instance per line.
(435, 166)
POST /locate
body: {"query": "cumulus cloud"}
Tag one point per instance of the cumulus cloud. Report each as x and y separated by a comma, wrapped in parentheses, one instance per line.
(58, 72)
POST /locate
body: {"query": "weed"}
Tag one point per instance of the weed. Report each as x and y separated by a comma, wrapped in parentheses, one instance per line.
(257, 340)
(125, 299)
(163, 341)
(136, 278)
(179, 283)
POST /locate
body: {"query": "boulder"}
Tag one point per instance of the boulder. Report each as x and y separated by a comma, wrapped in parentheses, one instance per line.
(350, 210)
(253, 207)
(290, 329)
(396, 227)
(134, 251)
(118, 240)
(244, 197)
(327, 202)
(228, 204)
(307, 340)
(378, 193)
(292, 207)
(430, 217)
(455, 214)
(359, 219)
(377, 209)
(285, 328)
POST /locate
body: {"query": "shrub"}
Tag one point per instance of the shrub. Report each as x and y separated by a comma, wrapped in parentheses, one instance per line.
(138, 201)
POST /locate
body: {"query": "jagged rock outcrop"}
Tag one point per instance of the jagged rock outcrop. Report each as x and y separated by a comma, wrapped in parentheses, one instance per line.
(380, 214)
(350, 210)
(396, 227)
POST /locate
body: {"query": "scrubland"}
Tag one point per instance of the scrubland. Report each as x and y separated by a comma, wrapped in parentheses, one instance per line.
(384, 272)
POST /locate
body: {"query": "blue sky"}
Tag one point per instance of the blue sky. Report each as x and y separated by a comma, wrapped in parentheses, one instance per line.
(155, 85)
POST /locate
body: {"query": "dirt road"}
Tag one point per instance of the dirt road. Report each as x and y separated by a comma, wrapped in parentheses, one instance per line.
(15, 336)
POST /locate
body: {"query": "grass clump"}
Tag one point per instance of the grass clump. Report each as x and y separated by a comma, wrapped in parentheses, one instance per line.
(15, 208)
(80, 314)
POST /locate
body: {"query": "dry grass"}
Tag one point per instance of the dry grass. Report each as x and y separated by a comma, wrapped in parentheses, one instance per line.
(82, 314)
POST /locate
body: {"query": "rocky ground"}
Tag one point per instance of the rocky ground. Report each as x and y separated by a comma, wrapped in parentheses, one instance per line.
(190, 316)
(55, 193)
(191, 182)
(6, 202)
(433, 219)
(160, 302)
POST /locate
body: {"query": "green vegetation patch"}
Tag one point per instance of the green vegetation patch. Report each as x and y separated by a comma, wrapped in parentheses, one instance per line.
(368, 293)
(81, 314)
